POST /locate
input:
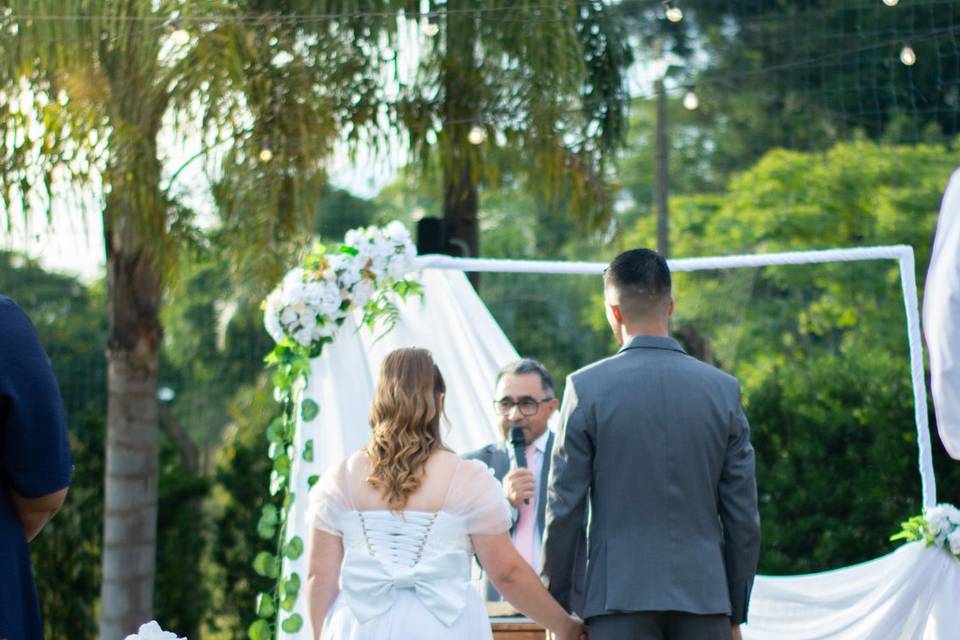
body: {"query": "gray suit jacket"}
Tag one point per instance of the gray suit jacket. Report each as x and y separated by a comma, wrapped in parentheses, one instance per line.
(657, 443)
(498, 458)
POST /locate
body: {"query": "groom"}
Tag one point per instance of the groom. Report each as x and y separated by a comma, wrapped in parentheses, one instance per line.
(657, 444)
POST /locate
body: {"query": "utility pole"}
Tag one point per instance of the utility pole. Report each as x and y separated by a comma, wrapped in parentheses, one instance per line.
(661, 159)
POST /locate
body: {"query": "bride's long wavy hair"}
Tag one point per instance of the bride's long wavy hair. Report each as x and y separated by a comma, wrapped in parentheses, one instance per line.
(405, 421)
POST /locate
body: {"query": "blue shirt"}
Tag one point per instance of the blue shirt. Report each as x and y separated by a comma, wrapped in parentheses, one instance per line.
(34, 461)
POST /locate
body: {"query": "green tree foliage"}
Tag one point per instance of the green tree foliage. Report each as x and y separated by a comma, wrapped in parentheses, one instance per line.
(241, 480)
(821, 350)
(69, 317)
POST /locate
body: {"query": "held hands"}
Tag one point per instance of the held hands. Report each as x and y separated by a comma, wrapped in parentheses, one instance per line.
(519, 485)
(573, 630)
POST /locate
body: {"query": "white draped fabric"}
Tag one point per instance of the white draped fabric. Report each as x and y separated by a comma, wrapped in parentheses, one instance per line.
(912, 593)
(941, 319)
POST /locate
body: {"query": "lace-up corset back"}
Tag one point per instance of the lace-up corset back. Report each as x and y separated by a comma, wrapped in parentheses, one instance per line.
(397, 539)
(400, 538)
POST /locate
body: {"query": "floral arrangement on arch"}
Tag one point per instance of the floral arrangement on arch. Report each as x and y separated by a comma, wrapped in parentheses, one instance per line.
(938, 526)
(312, 300)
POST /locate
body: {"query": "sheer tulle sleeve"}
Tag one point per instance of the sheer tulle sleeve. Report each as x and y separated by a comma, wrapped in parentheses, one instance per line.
(328, 501)
(476, 496)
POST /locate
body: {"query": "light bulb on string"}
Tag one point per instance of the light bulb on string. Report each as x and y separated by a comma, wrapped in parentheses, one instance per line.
(178, 35)
(431, 27)
(690, 100)
(908, 56)
(476, 135)
(891, 3)
(265, 155)
(674, 14)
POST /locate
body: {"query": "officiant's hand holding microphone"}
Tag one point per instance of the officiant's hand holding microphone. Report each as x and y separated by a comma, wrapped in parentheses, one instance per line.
(519, 484)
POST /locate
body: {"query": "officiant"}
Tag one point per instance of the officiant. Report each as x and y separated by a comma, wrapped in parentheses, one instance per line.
(524, 401)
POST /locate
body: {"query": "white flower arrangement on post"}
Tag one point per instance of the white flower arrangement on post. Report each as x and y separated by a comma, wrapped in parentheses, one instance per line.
(938, 526)
(366, 273)
(312, 301)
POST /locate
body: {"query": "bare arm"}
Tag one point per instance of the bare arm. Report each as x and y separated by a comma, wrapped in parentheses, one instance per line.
(323, 575)
(35, 513)
(516, 581)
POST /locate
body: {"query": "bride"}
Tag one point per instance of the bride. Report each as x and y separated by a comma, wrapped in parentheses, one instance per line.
(396, 523)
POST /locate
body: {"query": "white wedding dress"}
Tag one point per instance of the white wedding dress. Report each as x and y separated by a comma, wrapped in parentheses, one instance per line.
(406, 574)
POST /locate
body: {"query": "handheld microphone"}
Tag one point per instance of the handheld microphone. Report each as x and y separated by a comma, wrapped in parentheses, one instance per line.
(519, 450)
(519, 446)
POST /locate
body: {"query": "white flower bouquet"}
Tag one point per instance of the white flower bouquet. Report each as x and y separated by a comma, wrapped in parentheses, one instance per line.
(312, 300)
(938, 526)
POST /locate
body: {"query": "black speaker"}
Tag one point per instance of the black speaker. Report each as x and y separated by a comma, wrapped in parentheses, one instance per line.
(431, 236)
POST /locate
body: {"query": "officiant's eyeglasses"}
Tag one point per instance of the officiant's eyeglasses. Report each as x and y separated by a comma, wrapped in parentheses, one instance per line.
(527, 406)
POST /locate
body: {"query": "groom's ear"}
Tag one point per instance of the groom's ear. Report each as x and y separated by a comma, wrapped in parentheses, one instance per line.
(617, 313)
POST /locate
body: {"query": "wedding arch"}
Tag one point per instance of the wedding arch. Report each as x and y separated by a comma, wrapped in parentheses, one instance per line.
(910, 593)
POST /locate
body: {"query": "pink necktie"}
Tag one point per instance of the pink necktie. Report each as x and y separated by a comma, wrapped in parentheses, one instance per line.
(523, 533)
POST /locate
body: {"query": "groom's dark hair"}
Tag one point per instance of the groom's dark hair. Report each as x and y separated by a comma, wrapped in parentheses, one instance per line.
(641, 278)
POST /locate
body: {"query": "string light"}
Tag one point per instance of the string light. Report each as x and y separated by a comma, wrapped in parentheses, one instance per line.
(178, 35)
(690, 100)
(430, 28)
(476, 135)
(891, 3)
(674, 14)
(907, 56)
(266, 155)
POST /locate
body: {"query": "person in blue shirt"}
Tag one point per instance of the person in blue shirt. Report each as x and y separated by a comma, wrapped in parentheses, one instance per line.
(35, 465)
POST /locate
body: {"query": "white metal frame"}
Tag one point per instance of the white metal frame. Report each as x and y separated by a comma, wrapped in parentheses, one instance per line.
(903, 254)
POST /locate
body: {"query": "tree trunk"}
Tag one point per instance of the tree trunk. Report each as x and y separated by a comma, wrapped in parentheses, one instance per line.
(133, 290)
(461, 112)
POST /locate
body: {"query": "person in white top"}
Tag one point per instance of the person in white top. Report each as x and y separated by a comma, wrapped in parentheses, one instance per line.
(396, 523)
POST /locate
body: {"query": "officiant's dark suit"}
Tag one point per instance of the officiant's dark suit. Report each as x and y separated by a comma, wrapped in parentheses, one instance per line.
(524, 398)
(656, 443)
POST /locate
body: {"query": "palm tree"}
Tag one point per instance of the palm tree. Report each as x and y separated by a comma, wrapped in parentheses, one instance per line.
(88, 92)
(527, 88)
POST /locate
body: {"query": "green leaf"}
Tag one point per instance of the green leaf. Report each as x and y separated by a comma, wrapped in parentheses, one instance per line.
(267, 525)
(259, 630)
(276, 448)
(294, 548)
(289, 590)
(282, 465)
(345, 248)
(265, 530)
(312, 480)
(308, 450)
(266, 565)
(265, 606)
(292, 624)
(277, 432)
(277, 483)
(309, 410)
